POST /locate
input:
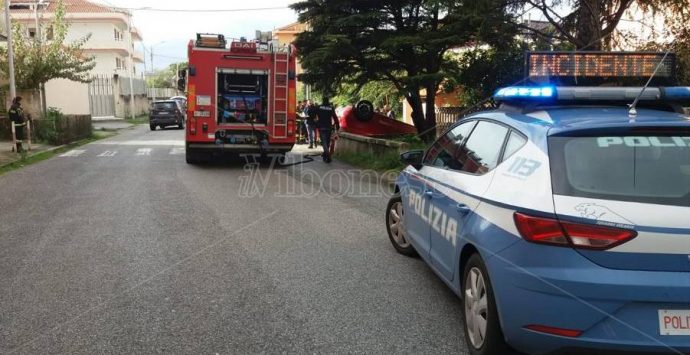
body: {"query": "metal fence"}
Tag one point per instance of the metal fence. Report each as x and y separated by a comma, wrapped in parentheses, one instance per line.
(161, 93)
(139, 86)
(101, 96)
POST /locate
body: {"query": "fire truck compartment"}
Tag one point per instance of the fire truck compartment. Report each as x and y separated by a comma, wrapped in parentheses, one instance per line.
(242, 97)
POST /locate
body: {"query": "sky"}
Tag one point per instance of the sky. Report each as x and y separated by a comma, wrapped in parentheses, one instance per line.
(170, 32)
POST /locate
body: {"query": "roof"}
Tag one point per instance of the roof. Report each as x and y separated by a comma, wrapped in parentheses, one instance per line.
(295, 27)
(71, 6)
(550, 120)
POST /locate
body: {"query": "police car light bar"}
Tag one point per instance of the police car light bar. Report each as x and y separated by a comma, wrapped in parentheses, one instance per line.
(551, 93)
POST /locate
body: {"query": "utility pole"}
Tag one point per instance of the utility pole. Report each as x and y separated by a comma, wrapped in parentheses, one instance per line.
(10, 51)
(37, 39)
(131, 67)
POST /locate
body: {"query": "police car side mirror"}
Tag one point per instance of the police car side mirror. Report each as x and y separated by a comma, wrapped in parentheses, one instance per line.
(413, 157)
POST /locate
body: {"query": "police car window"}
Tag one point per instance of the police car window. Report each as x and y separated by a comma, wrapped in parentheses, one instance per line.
(443, 154)
(646, 169)
(515, 142)
(483, 149)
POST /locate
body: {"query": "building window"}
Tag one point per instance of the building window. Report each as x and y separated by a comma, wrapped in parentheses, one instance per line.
(32, 32)
(120, 63)
(118, 35)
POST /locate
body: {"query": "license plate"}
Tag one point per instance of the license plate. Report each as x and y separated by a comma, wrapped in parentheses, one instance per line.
(163, 112)
(674, 322)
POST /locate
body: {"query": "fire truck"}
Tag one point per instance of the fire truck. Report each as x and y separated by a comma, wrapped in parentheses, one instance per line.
(241, 98)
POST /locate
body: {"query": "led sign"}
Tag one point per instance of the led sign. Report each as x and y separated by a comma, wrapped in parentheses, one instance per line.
(599, 64)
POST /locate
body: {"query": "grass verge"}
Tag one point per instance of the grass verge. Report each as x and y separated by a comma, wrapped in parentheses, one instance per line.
(386, 162)
(143, 119)
(31, 159)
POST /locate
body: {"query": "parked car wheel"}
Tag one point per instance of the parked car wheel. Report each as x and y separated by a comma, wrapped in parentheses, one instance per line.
(181, 125)
(483, 333)
(153, 127)
(394, 225)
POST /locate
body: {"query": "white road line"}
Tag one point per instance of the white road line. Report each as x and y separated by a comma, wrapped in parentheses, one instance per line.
(177, 151)
(151, 143)
(108, 153)
(144, 151)
(73, 153)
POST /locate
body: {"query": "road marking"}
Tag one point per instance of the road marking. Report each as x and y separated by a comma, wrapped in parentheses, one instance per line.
(73, 153)
(177, 151)
(144, 151)
(108, 153)
(150, 143)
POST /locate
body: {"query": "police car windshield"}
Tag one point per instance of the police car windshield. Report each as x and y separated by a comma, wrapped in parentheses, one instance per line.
(642, 168)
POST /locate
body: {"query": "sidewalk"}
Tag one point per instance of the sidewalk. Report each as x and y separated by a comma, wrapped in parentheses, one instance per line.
(7, 156)
(111, 125)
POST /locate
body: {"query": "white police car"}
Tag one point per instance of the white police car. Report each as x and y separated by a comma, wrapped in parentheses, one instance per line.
(562, 219)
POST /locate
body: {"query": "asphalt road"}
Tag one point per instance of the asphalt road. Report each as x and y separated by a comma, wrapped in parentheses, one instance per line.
(121, 247)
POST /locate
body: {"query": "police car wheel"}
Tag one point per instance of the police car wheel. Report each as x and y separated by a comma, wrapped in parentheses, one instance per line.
(483, 332)
(394, 225)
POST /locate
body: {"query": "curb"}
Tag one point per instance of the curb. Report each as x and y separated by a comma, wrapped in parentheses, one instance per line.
(49, 150)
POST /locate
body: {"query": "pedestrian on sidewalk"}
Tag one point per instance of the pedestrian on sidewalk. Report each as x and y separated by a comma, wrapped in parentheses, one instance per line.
(326, 122)
(18, 119)
(310, 122)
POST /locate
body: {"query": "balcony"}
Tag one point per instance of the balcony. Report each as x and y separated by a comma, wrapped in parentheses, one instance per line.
(138, 57)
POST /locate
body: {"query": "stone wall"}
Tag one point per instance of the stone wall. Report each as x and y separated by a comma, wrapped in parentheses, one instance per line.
(353, 143)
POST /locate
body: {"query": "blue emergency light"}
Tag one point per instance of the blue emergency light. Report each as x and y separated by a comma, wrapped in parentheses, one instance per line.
(565, 94)
(526, 92)
(534, 92)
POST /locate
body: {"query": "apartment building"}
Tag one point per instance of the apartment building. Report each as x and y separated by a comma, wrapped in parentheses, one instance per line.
(113, 44)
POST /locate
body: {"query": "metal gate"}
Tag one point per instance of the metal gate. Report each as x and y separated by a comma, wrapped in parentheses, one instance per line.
(101, 99)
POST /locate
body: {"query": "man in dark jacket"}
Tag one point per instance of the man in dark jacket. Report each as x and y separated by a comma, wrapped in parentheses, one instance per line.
(310, 122)
(16, 114)
(326, 121)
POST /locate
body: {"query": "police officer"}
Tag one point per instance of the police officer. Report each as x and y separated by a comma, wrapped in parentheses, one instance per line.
(16, 114)
(326, 120)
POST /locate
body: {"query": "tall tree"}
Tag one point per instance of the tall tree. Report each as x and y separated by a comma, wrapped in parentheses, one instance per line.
(589, 24)
(37, 62)
(403, 42)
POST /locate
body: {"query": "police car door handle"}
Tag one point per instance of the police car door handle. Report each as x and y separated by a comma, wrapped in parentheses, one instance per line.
(463, 209)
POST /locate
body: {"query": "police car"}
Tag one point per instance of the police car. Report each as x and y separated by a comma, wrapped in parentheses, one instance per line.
(562, 219)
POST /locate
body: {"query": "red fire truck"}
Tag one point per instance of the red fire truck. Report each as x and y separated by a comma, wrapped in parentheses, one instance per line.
(241, 99)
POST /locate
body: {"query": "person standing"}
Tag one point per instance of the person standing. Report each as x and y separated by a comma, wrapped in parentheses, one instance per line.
(310, 122)
(16, 114)
(326, 121)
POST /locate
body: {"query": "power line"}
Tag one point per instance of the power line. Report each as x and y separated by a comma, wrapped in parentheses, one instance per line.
(151, 9)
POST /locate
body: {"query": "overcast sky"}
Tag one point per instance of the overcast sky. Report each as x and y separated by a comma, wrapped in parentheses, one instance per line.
(175, 29)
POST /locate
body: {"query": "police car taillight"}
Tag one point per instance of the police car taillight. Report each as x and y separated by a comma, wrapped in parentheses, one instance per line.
(567, 234)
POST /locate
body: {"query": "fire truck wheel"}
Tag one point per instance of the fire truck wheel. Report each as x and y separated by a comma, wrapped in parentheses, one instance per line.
(192, 157)
(153, 127)
(364, 111)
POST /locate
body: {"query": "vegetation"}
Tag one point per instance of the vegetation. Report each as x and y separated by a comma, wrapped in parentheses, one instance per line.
(402, 43)
(47, 57)
(165, 78)
(379, 93)
(589, 24)
(386, 162)
(47, 131)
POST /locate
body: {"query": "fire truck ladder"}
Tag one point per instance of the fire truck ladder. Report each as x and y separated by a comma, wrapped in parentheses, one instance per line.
(281, 65)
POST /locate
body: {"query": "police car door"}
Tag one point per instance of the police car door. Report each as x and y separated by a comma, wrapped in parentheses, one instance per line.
(457, 187)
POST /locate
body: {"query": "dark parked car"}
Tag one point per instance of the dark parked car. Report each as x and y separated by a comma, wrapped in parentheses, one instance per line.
(166, 113)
